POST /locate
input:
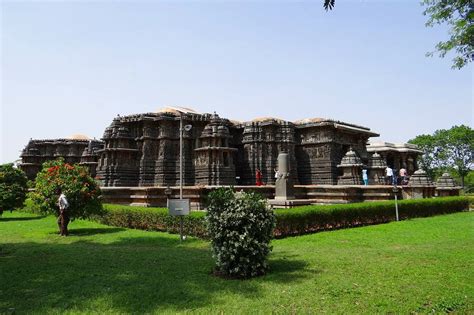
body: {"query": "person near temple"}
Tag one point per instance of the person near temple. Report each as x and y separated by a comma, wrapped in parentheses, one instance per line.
(258, 178)
(388, 175)
(394, 177)
(63, 219)
(365, 178)
(403, 176)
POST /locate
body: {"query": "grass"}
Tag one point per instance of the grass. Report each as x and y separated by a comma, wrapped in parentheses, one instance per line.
(413, 266)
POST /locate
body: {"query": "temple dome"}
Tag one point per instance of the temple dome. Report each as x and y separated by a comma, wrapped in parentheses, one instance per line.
(262, 119)
(309, 120)
(177, 110)
(78, 136)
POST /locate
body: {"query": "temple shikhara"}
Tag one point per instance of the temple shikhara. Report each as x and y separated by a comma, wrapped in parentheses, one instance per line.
(143, 150)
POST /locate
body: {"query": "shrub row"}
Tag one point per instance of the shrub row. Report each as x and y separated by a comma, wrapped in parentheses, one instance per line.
(152, 219)
(289, 222)
(295, 221)
(310, 219)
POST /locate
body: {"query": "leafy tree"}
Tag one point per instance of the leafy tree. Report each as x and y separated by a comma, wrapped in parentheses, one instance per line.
(447, 149)
(329, 4)
(13, 187)
(240, 226)
(459, 15)
(82, 192)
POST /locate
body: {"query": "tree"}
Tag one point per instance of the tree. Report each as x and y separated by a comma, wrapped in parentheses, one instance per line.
(459, 15)
(82, 192)
(447, 149)
(13, 187)
(329, 4)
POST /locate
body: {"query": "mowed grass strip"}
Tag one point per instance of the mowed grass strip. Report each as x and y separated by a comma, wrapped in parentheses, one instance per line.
(416, 265)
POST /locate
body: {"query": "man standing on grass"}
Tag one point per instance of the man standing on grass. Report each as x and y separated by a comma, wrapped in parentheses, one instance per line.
(63, 218)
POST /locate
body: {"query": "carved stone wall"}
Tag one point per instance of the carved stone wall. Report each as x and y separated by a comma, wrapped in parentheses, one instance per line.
(143, 150)
(36, 152)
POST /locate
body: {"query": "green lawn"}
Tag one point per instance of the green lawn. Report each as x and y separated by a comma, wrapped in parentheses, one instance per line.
(412, 266)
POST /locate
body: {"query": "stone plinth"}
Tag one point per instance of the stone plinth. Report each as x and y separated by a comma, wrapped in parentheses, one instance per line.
(304, 195)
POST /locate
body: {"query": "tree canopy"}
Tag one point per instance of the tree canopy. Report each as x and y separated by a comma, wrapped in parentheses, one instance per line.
(447, 149)
(459, 15)
(13, 187)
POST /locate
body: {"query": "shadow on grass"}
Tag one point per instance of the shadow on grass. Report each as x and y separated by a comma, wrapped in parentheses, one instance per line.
(131, 275)
(91, 231)
(22, 218)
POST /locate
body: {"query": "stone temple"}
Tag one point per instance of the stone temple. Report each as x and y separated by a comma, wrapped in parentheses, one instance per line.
(142, 150)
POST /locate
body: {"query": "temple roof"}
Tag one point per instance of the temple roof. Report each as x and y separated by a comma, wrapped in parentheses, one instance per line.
(387, 146)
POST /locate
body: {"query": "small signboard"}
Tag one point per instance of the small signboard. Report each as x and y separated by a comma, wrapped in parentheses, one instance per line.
(178, 207)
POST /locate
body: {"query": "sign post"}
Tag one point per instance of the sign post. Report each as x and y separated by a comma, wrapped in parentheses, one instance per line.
(180, 207)
(395, 192)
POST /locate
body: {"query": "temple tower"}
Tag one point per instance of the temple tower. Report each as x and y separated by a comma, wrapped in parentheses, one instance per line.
(214, 156)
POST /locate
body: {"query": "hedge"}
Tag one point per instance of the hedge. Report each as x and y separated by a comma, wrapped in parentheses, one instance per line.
(290, 222)
(310, 219)
(152, 219)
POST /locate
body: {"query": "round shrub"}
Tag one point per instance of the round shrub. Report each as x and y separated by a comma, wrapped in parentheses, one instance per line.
(240, 226)
(82, 192)
(13, 187)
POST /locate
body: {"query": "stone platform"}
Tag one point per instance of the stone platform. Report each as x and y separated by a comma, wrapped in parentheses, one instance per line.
(304, 194)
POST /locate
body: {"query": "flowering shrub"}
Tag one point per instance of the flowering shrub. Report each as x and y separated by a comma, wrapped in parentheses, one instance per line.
(13, 187)
(82, 192)
(240, 227)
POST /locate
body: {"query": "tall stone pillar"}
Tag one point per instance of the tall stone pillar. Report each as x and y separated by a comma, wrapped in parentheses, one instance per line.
(284, 186)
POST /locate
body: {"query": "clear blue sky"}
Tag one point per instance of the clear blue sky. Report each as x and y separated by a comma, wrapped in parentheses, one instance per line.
(70, 67)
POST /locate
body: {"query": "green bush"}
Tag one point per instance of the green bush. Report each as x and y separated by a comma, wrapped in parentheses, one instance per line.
(309, 219)
(13, 187)
(82, 192)
(156, 219)
(240, 227)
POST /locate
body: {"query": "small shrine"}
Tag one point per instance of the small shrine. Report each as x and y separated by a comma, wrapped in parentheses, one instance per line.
(377, 166)
(351, 166)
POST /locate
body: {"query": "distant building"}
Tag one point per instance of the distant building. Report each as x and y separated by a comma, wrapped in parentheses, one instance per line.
(74, 149)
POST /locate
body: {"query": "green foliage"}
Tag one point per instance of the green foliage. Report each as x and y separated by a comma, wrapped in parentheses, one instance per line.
(447, 149)
(310, 219)
(13, 187)
(459, 15)
(82, 192)
(240, 227)
(329, 4)
(152, 219)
